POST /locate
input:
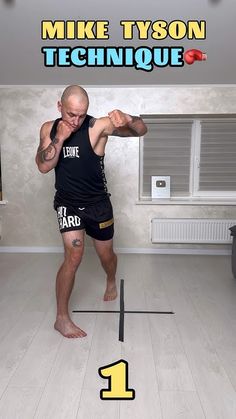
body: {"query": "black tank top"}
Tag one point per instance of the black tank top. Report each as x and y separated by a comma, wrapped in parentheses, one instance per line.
(79, 175)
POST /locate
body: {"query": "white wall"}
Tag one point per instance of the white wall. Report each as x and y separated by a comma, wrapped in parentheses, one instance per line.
(28, 217)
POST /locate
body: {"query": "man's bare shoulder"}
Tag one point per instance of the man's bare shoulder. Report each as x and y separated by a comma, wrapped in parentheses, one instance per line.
(99, 125)
(47, 125)
(46, 128)
(101, 121)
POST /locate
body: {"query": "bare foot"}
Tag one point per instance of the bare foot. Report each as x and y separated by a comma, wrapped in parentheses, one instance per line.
(111, 291)
(67, 328)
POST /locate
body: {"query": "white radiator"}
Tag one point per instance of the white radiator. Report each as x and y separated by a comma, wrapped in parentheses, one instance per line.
(189, 230)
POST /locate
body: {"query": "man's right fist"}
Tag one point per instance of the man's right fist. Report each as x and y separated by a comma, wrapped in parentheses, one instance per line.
(64, 130)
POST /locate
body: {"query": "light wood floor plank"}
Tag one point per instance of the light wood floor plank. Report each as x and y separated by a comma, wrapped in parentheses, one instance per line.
(137, 351)
(91, 406)
(181, 405)
(216, 392)
(105, 349)
(26, 284)
(16, 344)
(41, 355)
(213, 296)
(20, 402)
(173, 371)
(62, 392)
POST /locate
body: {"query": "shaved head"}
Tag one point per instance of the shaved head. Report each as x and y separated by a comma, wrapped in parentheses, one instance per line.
(76, 92)
(73, 106)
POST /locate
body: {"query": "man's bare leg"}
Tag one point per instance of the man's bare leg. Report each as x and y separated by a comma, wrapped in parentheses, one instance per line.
(74, 246)
(108, 260)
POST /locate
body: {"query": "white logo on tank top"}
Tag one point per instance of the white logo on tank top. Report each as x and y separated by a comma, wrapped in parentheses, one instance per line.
(71, 152)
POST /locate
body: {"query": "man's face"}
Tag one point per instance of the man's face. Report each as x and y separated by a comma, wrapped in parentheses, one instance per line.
(73, 111)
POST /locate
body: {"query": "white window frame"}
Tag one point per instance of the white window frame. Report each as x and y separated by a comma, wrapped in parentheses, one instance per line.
(195, 196)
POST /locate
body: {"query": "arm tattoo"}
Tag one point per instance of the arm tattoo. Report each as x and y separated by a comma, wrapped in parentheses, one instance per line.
(122, 132)
(40, 148)
(48, 153)
(132, 129)
(118, 132)
(135, 118)
(76, 243)
(126, 132)
(92, 122)
(55, 140)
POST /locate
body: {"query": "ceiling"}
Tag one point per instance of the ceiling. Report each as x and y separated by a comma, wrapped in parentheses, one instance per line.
(22, 62)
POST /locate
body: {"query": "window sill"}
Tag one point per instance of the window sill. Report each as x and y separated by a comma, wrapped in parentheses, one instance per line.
(187, 202)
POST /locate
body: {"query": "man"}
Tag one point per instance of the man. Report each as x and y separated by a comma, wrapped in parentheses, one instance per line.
(74, 145)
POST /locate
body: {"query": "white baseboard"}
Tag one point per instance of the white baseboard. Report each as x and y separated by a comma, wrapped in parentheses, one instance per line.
(31, 249)
(175, 251)
(120, 250)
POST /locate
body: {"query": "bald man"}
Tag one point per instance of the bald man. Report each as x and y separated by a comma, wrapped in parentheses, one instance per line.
(74, 145)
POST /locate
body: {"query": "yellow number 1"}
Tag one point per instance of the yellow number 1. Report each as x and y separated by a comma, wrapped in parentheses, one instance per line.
(117, 373)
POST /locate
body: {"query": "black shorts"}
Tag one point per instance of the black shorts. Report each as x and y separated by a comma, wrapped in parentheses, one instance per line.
(97, 219)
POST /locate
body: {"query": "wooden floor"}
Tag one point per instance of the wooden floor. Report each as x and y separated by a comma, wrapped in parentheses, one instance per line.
(180, 366)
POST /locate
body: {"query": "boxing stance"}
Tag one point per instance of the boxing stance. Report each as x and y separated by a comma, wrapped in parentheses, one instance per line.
(74, 145)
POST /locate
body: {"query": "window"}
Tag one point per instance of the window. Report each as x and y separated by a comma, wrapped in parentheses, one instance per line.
(198, 153)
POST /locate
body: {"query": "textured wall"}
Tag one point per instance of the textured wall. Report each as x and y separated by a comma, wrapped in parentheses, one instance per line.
(28, 217)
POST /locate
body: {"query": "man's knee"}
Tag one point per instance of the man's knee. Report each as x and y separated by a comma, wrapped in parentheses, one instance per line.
(108, 256)
(74, 253)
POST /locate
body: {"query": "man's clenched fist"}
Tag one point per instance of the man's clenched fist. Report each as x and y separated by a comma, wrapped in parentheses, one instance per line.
(64, 130)
(119, 119)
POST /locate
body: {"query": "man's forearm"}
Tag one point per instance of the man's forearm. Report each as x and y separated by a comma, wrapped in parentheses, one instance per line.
(137, 126)
(134, 127)
(47, 158)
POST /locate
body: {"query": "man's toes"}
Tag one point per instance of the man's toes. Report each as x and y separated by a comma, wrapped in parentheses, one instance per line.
(80, 333)
(68, 335)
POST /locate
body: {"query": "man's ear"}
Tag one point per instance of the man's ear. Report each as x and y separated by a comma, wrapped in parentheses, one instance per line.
(59, 105)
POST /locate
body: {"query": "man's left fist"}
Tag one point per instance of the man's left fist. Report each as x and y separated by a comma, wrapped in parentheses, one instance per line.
(119, 119)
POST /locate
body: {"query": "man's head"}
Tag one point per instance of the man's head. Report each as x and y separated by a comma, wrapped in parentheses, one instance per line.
(73, 106)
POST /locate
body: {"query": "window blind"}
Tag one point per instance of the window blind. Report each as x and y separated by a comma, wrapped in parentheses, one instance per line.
(166, 151)
(218, 156)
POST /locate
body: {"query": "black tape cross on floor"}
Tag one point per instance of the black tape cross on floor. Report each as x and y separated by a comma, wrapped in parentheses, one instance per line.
(122, 312)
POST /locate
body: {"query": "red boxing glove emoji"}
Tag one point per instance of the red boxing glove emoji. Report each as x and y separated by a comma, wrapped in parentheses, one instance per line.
(194, 55)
